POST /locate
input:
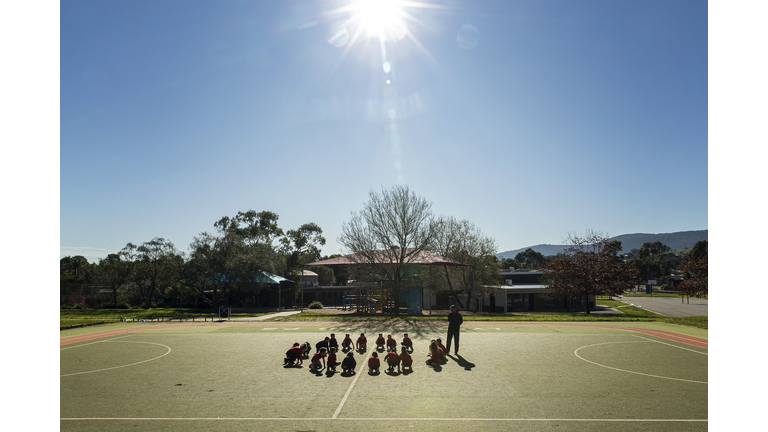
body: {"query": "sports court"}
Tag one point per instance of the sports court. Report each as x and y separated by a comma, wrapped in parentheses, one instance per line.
(509, 376)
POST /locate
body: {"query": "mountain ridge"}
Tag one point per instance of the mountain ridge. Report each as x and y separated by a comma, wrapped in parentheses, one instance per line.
(675, 240)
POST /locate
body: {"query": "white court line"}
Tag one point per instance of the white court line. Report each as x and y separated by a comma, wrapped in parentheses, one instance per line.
(629, 371)
(687, 349)
(91, 343)
(380, 419)
(349, 390)
(132, 364)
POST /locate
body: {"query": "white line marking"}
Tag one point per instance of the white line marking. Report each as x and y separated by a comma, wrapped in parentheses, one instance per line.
(91, 343)
(296, 328)
(349, 390)
(132, 364)
(687, 349)
(628, 371)
(380, 419)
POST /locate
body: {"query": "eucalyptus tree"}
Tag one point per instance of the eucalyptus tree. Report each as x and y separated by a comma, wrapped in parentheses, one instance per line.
(153, 265)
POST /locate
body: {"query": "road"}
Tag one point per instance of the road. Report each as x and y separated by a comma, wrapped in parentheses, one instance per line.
(671, 306)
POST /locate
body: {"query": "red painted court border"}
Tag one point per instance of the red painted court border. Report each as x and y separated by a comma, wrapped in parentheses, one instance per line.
(676, 337)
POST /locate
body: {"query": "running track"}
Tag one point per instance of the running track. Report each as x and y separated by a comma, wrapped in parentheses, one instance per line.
(677, 337)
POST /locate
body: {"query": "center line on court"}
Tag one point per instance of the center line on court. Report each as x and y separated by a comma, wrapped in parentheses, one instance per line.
(349, 390)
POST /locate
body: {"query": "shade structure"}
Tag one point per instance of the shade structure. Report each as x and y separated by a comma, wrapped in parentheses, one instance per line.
(270, 278)
(384, 257)
(264, 278)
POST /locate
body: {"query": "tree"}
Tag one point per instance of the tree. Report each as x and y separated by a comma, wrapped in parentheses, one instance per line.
(390, 232)
(590, 266)
(301, 246)
(74, 269)
(652, 261)
(695, 270)
(529, 258)
(233, 259)
(153, 265)
(464, 242)
(113, 273)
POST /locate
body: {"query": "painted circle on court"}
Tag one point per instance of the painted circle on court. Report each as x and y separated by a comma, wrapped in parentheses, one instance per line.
(120, 366)
(576, 353)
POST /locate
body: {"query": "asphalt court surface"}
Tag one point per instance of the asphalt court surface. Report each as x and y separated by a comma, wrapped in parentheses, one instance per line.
(671, 306)
(228, 377)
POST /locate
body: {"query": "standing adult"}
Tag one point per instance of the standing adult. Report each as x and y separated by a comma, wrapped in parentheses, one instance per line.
(454, 324)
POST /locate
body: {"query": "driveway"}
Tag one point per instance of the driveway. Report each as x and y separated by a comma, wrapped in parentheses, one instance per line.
(671, 306)
(265, 317)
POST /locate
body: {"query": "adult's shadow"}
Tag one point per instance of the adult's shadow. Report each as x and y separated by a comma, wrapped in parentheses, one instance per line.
(467, 365)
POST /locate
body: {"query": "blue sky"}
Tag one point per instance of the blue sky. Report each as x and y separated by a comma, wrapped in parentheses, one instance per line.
(531, 119)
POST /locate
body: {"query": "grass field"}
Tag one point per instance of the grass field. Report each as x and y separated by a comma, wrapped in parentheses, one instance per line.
(509, 376)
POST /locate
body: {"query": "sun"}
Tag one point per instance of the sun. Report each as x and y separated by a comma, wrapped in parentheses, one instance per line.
(379, 18)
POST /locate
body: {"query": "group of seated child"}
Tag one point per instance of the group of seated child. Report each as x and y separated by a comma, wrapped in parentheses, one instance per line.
(392, 358)
(436, 354)
(329, 346)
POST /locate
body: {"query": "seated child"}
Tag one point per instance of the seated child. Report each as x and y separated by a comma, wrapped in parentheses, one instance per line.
(407, 341)
(332, 342)
(374, 363)
(406, 359)
(393, 360)
(346, 344)
(293, 354)
(433, 354)
(391, 343)
(380, 342)
(306, 349)
(442, 348)
(332, 360)
(362, 343)
(349, 363)
(323, 344)
(320, 355)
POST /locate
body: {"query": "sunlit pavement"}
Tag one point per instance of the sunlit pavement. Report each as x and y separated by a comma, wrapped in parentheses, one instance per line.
(671, 306)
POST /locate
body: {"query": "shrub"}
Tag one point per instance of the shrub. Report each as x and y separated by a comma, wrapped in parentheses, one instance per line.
(665, 286)
(315, 305)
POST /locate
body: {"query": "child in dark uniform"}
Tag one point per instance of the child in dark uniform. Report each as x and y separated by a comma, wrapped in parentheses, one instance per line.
(348, 364)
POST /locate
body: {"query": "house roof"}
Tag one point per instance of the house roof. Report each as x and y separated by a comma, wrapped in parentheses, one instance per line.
(386, 257)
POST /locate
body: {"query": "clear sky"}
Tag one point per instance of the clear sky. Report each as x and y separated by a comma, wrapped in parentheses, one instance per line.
(531, 119)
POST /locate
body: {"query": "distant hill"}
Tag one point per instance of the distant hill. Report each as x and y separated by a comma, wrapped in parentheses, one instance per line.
(676, 240)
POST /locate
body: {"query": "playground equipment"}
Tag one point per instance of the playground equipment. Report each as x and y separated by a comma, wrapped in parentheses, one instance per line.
(359, 300)
(372, 300)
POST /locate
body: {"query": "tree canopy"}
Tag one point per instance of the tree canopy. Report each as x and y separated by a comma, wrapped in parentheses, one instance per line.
(590, 266)
(393, 227)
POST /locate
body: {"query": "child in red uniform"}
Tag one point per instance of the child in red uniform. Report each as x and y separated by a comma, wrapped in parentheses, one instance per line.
(434, 354)
(320, 355)
(373, 362)
(393, 360)
(442, 348)
(380, 342)
(346, 344)
(407, 342)
(391, 343)
(362, 343)
(406, 359)
(293, 355)
(332, 360)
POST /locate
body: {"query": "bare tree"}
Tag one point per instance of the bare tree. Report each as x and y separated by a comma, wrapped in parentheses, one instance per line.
(464, 242)
(388, 235)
